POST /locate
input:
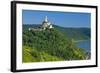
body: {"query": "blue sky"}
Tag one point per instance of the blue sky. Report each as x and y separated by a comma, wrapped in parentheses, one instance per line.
(64, 19)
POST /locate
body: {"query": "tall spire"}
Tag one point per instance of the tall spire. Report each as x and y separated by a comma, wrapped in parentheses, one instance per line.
(46, 19)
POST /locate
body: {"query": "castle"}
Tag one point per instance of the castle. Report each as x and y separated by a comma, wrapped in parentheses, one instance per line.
(45, 25)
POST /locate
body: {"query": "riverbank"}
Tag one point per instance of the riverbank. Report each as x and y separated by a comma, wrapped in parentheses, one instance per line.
(84, 44)
(81, 40)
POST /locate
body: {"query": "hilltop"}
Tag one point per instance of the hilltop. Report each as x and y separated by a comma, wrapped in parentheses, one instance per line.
(71, 33)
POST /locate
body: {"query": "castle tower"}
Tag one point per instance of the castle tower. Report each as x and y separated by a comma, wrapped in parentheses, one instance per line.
(46, 19)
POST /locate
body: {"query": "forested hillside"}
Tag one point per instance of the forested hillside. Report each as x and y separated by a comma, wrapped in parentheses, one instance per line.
(75, 33)
(49, 45)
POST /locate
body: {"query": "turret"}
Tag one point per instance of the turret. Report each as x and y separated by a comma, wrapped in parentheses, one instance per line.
(46, 19)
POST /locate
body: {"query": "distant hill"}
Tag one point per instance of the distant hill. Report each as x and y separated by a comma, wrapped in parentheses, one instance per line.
(71, 33)
(75, 33)
(49, 45)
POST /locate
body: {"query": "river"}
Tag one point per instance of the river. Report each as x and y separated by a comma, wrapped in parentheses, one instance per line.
(84, 44)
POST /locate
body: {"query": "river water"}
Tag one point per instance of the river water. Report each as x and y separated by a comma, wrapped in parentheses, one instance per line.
(84, 44)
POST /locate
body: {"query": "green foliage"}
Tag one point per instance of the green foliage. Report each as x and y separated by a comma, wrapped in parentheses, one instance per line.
(49, 45)
(32, 55)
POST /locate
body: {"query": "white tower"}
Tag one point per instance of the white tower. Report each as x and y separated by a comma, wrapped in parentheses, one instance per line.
(46, 19)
